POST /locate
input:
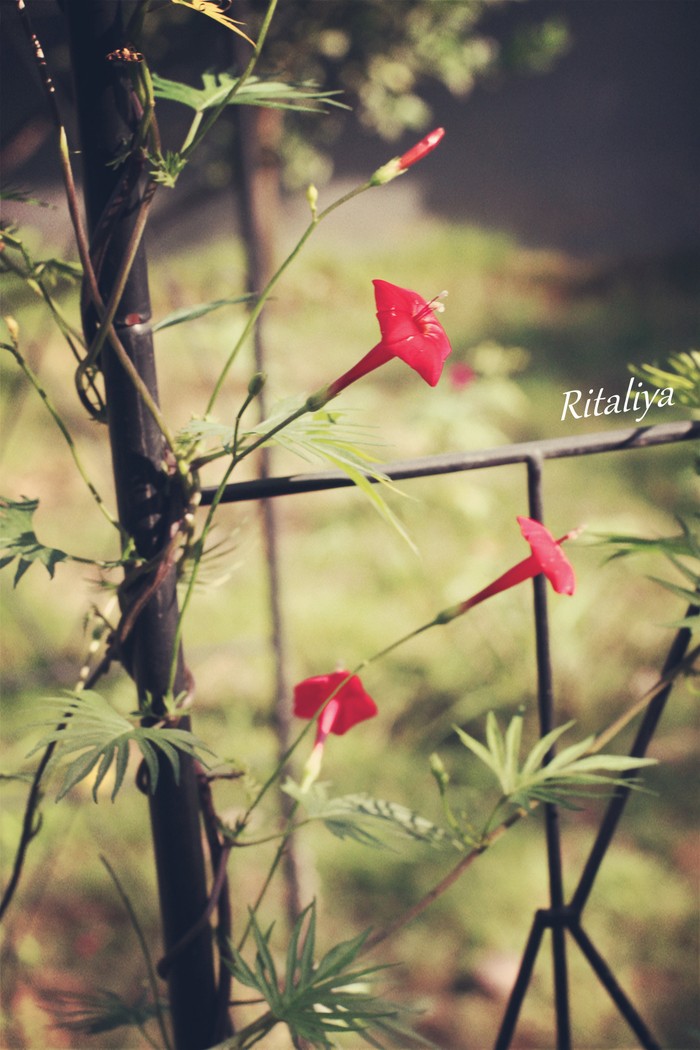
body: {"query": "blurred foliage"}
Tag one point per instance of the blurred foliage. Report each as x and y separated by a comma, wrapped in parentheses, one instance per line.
(682, 374)
(383, 58)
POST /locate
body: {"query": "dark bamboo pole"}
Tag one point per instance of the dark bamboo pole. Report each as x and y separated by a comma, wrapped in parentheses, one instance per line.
(106, 121)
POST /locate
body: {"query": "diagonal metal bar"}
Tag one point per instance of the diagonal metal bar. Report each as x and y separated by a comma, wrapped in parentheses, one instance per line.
(619, 800)
(545, 704)
(522, 982)
(609, 982)
(456, 462)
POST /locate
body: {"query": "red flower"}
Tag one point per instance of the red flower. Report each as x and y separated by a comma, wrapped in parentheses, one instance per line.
(410, 331)
(349, 705)
(547, 557)
(421, 149)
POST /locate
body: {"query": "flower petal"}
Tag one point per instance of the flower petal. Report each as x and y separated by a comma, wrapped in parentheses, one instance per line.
(410, 330)
(549, 555)
(353, 703)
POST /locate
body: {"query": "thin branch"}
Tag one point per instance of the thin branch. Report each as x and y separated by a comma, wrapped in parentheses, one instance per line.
(43, 394)
(79, 229)
(136, 926)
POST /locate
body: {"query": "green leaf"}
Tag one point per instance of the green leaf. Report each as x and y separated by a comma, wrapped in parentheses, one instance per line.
(537, 754)
(325, 437)
(85, 725)
(513, 739)
(571, 772)
(478, 749)
(688, 595)
(254, 92)
(17, 536)
(191, 313)
(319, 1001)
(364, 819)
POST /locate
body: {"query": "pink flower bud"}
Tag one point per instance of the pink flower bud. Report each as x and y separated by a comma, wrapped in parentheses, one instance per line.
(421, 149)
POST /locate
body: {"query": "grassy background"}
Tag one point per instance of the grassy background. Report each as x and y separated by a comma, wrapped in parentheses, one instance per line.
(533, 324)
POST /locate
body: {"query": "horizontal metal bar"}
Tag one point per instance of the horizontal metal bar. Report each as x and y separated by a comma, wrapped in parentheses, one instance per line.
(455, 462)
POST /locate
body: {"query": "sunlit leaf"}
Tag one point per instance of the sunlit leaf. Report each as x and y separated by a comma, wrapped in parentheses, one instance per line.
(212, 9)
(571, 772)
(682, 375)
(253, 92)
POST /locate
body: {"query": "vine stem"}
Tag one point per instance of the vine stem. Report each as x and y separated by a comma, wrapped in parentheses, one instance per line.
(265, 294)
(136, 926)
(195, 134)
(209, 520)
(79, 229)
(43, 394)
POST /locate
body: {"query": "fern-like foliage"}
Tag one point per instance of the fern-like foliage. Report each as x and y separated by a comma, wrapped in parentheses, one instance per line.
(682, 374)
(682, 550)
(216, 88)
(100, 1011)
(316, 1000)
(570, 773)
(85, 725)
(365, 819)
(316, 437)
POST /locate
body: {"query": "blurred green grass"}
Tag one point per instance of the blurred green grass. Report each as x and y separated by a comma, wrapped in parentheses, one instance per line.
(534, 324)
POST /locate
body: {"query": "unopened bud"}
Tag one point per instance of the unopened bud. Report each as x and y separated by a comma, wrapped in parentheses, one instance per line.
(398, 165)
(256, 383)
(312, 198)
(442, 777)
(12, 327)
(421, 149)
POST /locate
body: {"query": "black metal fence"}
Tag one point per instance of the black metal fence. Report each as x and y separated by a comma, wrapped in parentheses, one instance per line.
(561, 917)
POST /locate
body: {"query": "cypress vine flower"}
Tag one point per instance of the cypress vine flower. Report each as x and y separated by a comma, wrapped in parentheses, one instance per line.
(546, 557)
(410, 331)
(349, 705)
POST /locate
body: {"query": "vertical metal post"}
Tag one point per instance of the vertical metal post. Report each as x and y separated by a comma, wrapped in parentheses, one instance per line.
(546, 714)
(106, 117)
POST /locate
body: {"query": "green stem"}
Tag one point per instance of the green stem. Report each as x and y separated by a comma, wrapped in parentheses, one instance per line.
(107, 313)
(77, 222)
(194, 137)
(268, 878)
(36, 383)
(35, 282)
(265, 294)
(150, 968)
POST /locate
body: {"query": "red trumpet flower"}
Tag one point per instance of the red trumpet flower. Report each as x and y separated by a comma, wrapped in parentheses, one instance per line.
(410, 331)
(349, 705)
